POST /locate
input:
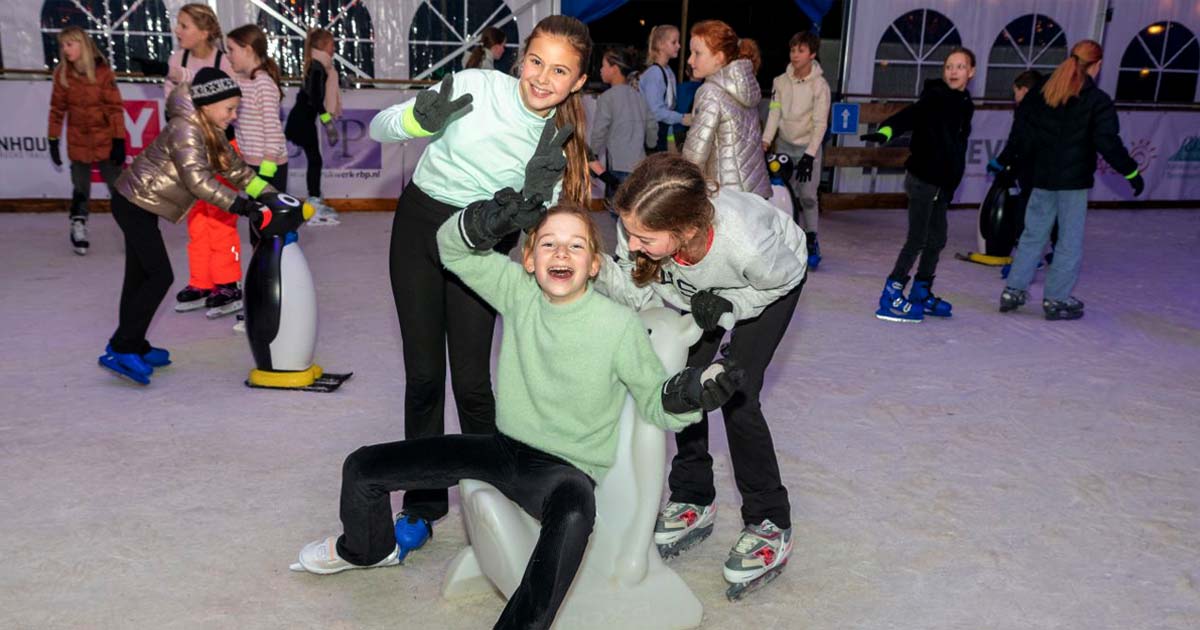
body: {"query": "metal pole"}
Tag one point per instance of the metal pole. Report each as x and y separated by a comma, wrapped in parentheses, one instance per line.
(683, 30)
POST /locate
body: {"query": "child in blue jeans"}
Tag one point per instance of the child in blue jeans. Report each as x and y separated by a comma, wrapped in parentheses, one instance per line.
(567, 358)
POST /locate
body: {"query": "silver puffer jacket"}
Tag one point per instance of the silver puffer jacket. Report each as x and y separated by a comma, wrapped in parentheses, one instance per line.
(725, 139)
(168, 176)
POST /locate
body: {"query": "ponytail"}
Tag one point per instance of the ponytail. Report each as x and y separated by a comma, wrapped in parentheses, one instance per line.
(748, 49)
(1068, 77)
(577, 184)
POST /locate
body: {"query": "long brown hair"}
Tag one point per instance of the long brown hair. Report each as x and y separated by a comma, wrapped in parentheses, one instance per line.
(721, 38)
(252, 37)
(215, 144)
(89, 55)
(577, 211)
(315, 39)
(577, 186)
(489, 37)
(206, 20)
(1067, 80)
(665, 193)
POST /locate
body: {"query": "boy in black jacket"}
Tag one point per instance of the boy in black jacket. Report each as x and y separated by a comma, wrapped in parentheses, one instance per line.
(940, 123)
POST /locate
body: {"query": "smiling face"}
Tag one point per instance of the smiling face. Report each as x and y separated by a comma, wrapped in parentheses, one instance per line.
(703, 61)
(562, 258)
(223, 112)
(670, 45)
(242, 58)
(72, 49)
(550, 72)
(654, 244)
(957, 71)
(186, 32)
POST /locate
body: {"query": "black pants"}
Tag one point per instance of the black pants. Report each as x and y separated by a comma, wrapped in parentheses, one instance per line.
(926, 230)
(148, 275)
(81, 184)
(312, 174)
(751, 450)
(278, 181)
(550, 489)
(438, 312)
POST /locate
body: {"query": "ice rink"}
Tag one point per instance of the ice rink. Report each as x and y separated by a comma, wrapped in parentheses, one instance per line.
(991, 471)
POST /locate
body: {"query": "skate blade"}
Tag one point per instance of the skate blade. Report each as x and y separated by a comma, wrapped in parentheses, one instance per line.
(81, 251)
(185, 307)
(736, 592)
(897, 319)
(218, 312)
(132, 377)
(325, 384)
(297, 567)
(690, 540)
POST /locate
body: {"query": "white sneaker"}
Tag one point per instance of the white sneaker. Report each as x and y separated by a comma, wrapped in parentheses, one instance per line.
(321, 557)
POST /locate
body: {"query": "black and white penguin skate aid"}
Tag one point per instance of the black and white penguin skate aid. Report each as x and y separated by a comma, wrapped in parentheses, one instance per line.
(281, 303)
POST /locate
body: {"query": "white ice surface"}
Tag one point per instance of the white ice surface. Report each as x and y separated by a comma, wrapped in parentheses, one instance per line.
(989, 471)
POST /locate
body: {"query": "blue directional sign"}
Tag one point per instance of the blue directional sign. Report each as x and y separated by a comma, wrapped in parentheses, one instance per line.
(844, 118)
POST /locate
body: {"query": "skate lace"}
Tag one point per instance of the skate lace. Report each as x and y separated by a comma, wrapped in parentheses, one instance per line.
(755, 535)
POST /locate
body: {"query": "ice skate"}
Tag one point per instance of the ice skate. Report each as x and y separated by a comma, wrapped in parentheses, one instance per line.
(930, 304)
(1067, 309)
(225, 300)
(1011, 299)
(191, 299)
(757, 558)
(79, 235)
(893, 306)
(127, 365)
(681, 526)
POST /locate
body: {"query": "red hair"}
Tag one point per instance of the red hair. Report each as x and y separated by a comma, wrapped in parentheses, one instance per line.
(1067, 80)
(720, 38)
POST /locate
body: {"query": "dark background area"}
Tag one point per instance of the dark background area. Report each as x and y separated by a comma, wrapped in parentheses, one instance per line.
(771, 22)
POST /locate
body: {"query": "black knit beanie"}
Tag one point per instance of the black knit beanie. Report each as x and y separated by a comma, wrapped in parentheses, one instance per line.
(211, 85)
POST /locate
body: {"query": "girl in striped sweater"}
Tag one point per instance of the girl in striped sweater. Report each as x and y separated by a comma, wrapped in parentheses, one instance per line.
(259, 130)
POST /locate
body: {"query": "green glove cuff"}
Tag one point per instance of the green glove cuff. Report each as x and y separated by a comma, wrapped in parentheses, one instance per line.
(325, 118)
(775, 105)
(268, 169)
(1135, 173)
(671, 137)
(256, 187)
(886, 131)
(408, 122)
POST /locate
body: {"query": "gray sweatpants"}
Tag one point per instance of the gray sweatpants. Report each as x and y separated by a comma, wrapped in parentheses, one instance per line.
(81, 182)
(806, 193)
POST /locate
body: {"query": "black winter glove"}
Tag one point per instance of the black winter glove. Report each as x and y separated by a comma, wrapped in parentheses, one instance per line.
(487, 221)
(55, 156)
(804, 168)
(694, 389)
(609, 180)
(546, 166)
(874, 136)
(117, 155)
(708, 307)
(252, 210)
(432, 109)
(1138, 184)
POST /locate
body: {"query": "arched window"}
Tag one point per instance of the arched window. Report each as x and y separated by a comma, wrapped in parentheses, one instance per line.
(1030, 42)
(442, 31)
(912, 50)
(131, 36)
(1161, 64)
(286, 23)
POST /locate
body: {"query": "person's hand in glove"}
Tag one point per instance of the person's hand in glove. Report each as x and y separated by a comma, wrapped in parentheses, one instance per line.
(487, 221)
(55, 156)
(246, 207)
(1136, 181)
(546, 166)
(433, 108)
(804, 168)
(708, 308)
(883, 135)
(705, 389)
(117, 155)
(331, 131)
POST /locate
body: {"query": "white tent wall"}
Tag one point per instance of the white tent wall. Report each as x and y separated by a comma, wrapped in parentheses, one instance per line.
(1129, 18)
(390, 20)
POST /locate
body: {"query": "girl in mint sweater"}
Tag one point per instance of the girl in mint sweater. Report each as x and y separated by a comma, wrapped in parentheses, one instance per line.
(567, 358)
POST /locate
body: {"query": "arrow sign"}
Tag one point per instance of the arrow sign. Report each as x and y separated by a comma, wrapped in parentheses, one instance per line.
(845, 118)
